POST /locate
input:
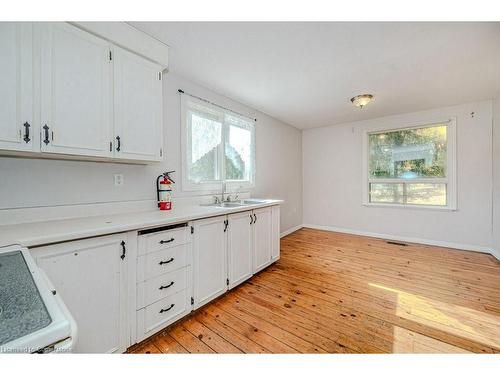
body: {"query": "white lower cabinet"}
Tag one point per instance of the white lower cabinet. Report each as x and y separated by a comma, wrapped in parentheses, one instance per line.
(164, 279)
(90, 276)
(239, 247)
(209, 259)
(230, 249)
(123, 288)
(262, 238)
(275, 233)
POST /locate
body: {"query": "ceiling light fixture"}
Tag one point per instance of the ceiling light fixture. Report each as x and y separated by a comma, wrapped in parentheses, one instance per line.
(362, 100)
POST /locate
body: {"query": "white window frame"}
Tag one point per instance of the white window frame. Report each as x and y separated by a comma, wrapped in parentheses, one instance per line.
(214, 186)
(451, 167)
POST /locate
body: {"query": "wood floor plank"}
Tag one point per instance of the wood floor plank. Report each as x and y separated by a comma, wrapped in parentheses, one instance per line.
(168, 345)
(249, 331)
(210, 338)
(237, 339)
(284, 336)
(186, 339)
(148, 347)
(340, 293)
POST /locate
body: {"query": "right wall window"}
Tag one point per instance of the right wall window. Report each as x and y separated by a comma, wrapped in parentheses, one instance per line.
(412, 166)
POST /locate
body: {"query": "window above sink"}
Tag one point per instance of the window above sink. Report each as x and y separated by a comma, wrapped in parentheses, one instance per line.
(217, 146)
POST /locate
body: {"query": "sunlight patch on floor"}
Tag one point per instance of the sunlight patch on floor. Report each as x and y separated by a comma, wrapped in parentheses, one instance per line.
(458, 320)
(406, 341)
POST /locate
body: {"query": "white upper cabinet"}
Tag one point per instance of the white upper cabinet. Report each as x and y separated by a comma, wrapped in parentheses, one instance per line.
(209, 259)
(137, 107)
(16, 87)
(239, 247)
(75, 91)
(262, 238)
(67, 92)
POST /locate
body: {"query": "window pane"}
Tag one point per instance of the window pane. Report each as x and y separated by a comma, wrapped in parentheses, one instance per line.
(238, 149)
(205, 136)
(386, 193)
(426, 194)
(410, 153)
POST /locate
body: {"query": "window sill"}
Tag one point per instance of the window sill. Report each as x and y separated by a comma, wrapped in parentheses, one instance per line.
(215, 187)
(411, 207)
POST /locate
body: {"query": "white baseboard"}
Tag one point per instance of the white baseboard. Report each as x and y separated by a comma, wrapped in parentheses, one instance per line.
(496, 254)
(291, 230)
(453, 245)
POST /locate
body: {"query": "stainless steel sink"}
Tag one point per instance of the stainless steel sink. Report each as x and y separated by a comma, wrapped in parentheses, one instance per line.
(245, 202)
(224, 204)
(252, 201)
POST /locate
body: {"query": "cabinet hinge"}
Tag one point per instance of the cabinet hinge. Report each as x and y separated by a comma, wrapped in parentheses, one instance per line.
(227, 281)
(192, 301)
(192, 230)
(110, 56)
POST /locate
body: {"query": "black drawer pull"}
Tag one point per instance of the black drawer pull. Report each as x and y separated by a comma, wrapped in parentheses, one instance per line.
(165, 310)
(26, 132)
(167, 241)
(123, 250)
(166, 286)
(166, 261)
(46, 131)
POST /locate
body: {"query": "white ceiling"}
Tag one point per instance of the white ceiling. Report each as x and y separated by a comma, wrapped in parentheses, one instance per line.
(305, 73)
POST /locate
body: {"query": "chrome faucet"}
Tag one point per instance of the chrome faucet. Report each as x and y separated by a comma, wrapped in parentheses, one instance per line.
(223, 191)
(218, 200)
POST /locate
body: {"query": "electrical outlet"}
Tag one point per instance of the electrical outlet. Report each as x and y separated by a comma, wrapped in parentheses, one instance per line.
(118, 179)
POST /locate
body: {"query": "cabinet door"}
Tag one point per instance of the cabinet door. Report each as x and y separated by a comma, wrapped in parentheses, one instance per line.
(75, 91)
(239, 247)
(275, 233)
(209, 259)
(262, 239)
(16, 86)
(137, 107)
(90, 277)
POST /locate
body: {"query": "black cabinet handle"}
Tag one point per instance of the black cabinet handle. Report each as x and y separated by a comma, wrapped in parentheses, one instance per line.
(251, 219)
(164, 310)
(166, 261)
(166, 286)
(166, 241)
(226, 223)
(119, 143)
(46, 130)
(254, 218)
(26, 132)
(123, 250)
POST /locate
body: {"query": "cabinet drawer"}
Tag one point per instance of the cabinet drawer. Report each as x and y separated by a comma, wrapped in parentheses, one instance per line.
(161, 286)
(157, 316)
(149, 243)
(160, 262)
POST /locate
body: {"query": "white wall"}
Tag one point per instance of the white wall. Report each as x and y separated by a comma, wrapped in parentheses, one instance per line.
(40, 183)
(332, 165)
(496, 177)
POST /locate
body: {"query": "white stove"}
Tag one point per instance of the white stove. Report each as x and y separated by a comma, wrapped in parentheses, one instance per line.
(33, 318)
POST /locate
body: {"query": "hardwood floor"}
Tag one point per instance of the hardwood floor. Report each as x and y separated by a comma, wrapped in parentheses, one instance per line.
(340, 293)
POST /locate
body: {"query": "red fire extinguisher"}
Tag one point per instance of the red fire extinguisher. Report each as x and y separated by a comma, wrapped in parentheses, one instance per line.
(164, 190)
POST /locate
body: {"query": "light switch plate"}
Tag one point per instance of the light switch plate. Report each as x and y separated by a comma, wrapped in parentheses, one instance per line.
(118, 179)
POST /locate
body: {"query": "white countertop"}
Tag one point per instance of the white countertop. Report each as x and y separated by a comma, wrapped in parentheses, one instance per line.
(40, 233)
